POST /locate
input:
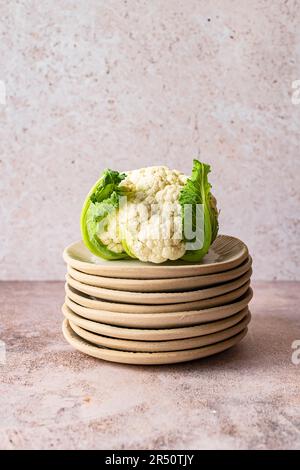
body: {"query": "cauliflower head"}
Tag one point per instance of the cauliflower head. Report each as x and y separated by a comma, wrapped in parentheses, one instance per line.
(150, 221)
(140, 214)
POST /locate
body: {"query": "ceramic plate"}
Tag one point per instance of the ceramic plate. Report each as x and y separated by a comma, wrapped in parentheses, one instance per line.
(165, 334)
(161, 297)
(160, 285)
(92, 302)
(161, 320)
(157, 346)
(127, 357)
(225, 253)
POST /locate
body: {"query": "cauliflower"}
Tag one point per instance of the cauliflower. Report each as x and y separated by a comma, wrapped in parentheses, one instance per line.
(155, 192)
(140, 214)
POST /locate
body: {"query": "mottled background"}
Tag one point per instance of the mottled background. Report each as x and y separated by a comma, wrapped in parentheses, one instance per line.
(125, 84)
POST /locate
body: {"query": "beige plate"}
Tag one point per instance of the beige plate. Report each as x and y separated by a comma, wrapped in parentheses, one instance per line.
(157, 346)
(165, 334)
(225, 253)
(92, 302)
(127, 357)
(142, 298)
(160, 285)
(161, 320)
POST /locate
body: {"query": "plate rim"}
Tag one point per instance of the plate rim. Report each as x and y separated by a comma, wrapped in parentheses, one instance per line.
(139, 308)
(154, 334)
(175, 345)
(127, 357)
(159, 268)
(159, 298)
(204, 280)
(161, 320)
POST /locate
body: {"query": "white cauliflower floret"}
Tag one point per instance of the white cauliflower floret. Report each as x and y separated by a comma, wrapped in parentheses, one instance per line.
(110, 235)
(151, 222)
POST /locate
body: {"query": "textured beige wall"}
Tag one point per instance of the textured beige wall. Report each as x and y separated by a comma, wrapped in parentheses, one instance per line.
(125, 84)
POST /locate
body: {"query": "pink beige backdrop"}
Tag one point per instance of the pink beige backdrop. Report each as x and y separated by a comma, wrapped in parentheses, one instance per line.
(126, 84)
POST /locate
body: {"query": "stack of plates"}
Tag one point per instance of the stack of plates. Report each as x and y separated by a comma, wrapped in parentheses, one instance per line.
(140, 313)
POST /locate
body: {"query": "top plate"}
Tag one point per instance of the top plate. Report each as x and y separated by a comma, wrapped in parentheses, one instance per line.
(225, 253)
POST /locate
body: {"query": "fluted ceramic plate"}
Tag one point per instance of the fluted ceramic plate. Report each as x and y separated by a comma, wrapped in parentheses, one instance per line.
(225, 253)
(160, 320)
(153, 298)
(157, 346)
(147, 358)
(92, 302)
(160, 285)
(147, 334)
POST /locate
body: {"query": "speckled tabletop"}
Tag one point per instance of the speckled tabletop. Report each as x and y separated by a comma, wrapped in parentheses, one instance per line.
(52, 396)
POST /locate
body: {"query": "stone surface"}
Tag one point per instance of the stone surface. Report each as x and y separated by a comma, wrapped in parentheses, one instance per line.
(52, 396)
(92, 84)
